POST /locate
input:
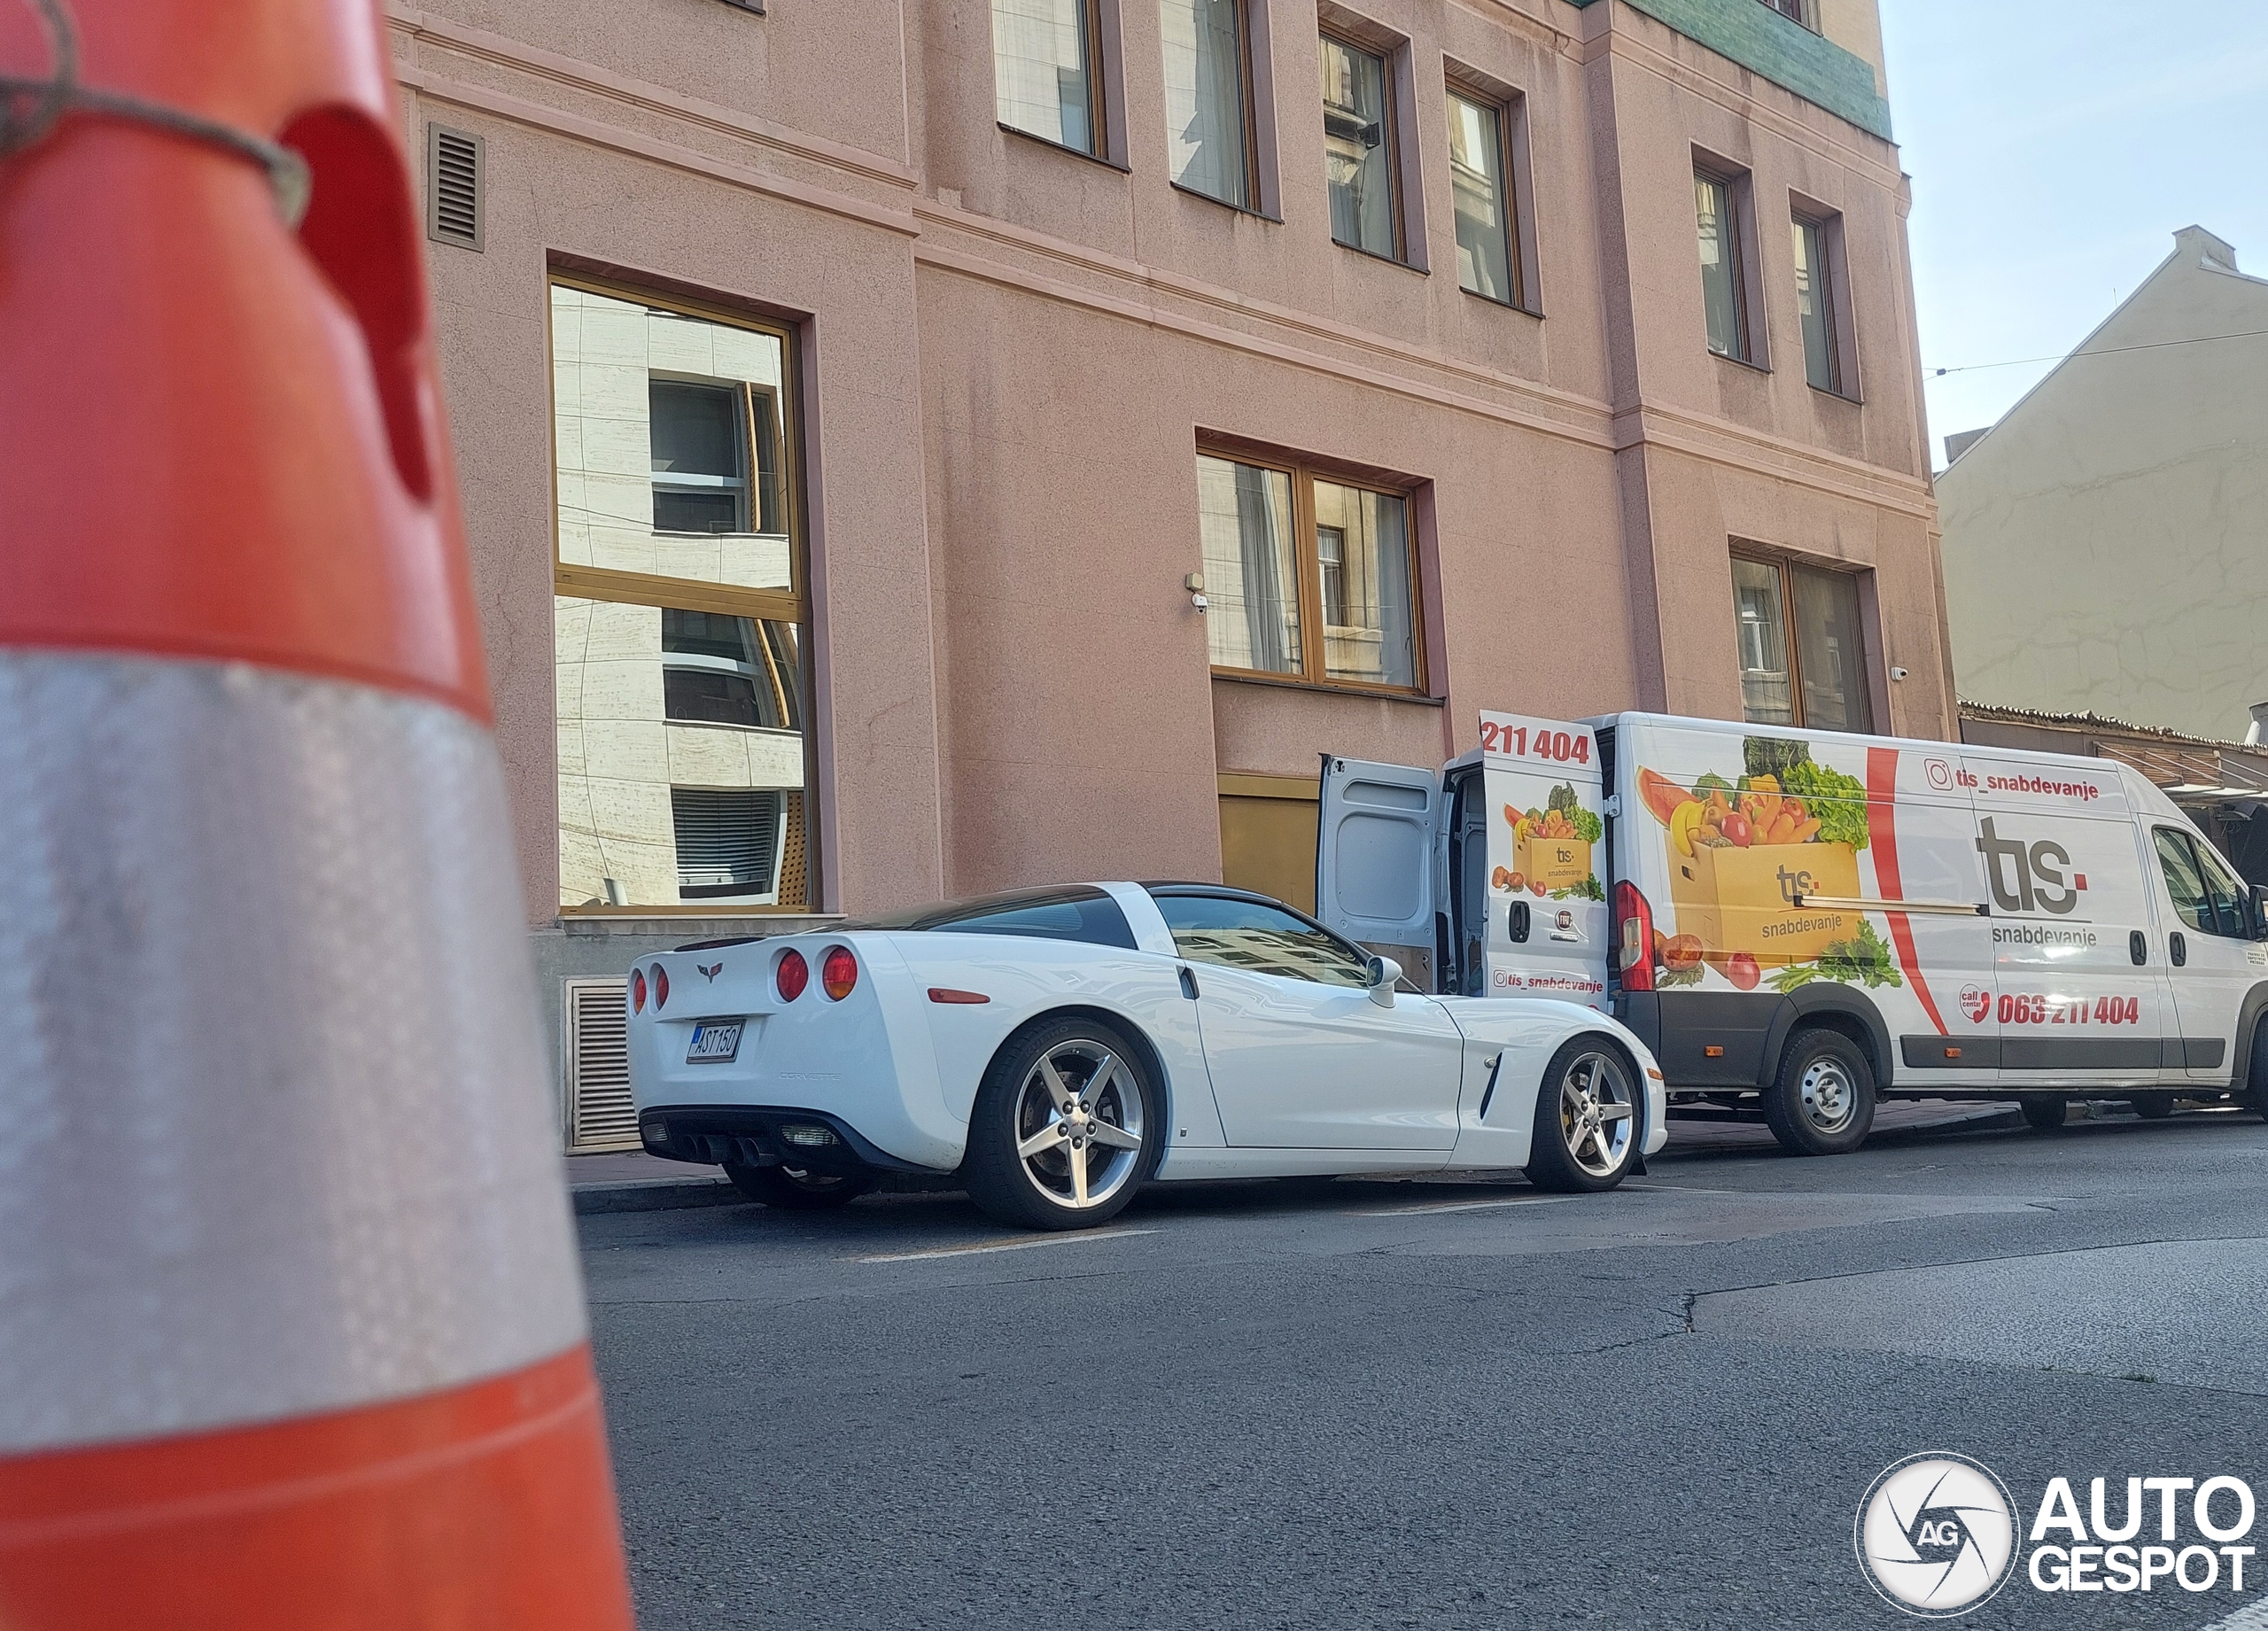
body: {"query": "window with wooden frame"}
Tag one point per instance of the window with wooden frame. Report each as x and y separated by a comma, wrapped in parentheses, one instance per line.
(1725, 277)
(1802, 642)
(1804, 11)
(1823, 301)
(1481, 191)
(1361, 148)
(1047, 65)
(1211, 144)
(680, 605)
(1310, 576)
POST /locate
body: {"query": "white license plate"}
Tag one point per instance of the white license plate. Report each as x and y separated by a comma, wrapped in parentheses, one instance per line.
(715, 1042)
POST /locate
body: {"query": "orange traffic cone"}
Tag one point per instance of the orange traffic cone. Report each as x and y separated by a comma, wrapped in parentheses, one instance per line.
(291, 1330)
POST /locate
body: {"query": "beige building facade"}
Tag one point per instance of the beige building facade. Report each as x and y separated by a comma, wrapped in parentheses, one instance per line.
(855, 401)
(2127, 495)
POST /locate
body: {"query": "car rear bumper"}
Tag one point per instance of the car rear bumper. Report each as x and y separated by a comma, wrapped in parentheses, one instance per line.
(759, 1136)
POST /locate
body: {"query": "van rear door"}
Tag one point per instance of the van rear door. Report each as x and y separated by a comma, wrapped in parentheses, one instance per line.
(1374, 853)
(1546, 916)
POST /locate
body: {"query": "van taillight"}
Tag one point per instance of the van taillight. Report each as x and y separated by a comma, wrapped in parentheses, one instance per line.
(661, 987)
(792, 974)
(1636, 923)
(838, 972)
(637, 991)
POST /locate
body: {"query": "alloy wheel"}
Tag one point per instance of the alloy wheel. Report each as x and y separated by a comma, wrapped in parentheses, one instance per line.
(1078, 1125)
(1597, 1112)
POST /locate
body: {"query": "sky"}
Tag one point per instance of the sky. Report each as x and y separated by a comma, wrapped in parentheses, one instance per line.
(2055, 147)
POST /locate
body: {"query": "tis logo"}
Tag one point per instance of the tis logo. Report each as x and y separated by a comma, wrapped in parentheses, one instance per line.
(1975, 1002)
(2028, 878)
(1794, 884)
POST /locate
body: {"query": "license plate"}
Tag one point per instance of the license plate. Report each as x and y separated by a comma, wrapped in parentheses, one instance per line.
(714, 1043)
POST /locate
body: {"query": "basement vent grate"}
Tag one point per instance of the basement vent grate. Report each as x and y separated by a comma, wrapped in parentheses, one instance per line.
(455, 163)
(600, 1115)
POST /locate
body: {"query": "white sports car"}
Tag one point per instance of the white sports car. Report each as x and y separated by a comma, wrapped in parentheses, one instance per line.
(1056, 1049)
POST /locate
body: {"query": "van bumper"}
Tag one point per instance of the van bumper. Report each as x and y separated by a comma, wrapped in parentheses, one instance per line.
(1682, 1027)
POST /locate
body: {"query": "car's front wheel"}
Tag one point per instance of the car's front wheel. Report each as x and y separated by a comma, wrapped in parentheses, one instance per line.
(1067, 1124)
(1588, 1118)
(793, 1189)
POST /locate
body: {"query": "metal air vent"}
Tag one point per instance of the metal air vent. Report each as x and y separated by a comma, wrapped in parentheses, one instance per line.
(456, 163)
(600, 1115)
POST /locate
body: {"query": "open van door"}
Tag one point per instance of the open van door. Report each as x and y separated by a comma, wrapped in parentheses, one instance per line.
(1547, 912)
(1374, 852)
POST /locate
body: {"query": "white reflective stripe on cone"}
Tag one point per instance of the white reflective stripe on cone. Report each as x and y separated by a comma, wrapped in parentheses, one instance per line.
(275, 1134)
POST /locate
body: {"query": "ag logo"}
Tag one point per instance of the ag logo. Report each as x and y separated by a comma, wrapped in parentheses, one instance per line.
(1934, 1534)
(1975, 1002)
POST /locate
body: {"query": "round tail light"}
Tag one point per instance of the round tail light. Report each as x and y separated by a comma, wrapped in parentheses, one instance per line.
(792, 974)
(661, 987)
(838, 972)
(637, 991)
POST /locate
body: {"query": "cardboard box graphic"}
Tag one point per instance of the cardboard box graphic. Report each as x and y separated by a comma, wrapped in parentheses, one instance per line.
(1556, 863)
(1738, 900)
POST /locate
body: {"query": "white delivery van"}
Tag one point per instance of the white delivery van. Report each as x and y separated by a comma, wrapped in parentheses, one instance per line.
(1804, 922)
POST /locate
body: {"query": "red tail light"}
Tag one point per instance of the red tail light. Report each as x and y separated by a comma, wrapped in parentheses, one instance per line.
(838, 972)
(637, 991)
(661, 987)
(792, 974)
(1634, 920)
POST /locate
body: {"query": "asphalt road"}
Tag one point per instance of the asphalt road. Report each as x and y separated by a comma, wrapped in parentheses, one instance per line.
(1430, 1403)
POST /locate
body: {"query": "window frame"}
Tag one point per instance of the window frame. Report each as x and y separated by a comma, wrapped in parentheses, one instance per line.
(1510, 110)
(1101, 106)
(1748, 306)
(1834, 277)
(1805, 16)
(1307, 557)
(1255, 199)
(760, 606)
(1390, 138)
(1253, 897)
(1783, 567)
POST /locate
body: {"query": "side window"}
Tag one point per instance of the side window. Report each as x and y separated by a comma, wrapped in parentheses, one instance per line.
(2179, 862)
(2226, 893)
(1244, 934)
(1092, 918)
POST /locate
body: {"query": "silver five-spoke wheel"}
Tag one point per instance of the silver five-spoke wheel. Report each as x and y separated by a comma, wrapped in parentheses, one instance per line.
(1079, 1126)
(1597, 1113)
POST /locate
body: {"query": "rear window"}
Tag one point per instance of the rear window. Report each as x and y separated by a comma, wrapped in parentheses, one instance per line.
(1083, 913)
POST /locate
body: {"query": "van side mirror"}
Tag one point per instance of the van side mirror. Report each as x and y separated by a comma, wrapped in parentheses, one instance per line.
(2260, 912)
(1379, 973)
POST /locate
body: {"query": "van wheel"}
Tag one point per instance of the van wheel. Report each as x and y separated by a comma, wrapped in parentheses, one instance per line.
(2046, 1114)
(1822, 1101)
(2151, 1107)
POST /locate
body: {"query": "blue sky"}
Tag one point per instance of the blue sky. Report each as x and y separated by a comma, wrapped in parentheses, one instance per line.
(2055, 146)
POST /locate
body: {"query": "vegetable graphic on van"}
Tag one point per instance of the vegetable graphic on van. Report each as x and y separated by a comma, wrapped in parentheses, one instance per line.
(1744, 852)
(1552, 848)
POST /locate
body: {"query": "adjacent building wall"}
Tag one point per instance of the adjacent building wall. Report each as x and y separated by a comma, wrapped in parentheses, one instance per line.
(2106, 546)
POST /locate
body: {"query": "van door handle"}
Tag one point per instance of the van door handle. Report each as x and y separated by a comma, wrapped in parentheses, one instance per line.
(2176, 948)
(2138, 948)
(1517, 923)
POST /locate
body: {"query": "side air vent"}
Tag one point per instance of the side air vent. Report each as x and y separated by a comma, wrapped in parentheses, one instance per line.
(454, 167)
(600, 1115)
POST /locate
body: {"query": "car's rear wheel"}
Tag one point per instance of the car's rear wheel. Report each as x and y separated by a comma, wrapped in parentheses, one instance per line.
(1067, 1124)
(1588, 1118)
(2046, 1113)
(2151, 1107)
(1822, 1101)
(793, 1189)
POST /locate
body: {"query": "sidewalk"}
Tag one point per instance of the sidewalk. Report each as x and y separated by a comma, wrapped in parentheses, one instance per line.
(636, 1181)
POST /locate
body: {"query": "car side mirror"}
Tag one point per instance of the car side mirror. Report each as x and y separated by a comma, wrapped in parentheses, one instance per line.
(1379, 973)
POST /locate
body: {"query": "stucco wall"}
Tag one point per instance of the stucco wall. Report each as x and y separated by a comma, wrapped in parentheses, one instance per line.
(2106, 546)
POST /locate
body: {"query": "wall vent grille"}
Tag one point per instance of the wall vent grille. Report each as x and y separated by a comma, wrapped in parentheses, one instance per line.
(456, 163)
(600, 1115)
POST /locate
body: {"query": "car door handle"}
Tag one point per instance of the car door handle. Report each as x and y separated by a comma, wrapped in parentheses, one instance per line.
(2176, 948)
(1189, 986)
(2138, 948)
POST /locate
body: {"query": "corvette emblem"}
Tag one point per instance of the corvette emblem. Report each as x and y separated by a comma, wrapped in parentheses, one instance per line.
(710, 971)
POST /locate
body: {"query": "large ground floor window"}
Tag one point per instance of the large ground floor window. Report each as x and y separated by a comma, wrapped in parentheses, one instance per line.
(681, 671)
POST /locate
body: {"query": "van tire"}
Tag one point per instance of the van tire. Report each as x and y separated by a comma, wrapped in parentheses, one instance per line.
(1822, 1101)
(2150, 1107)
(2045, 1113)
